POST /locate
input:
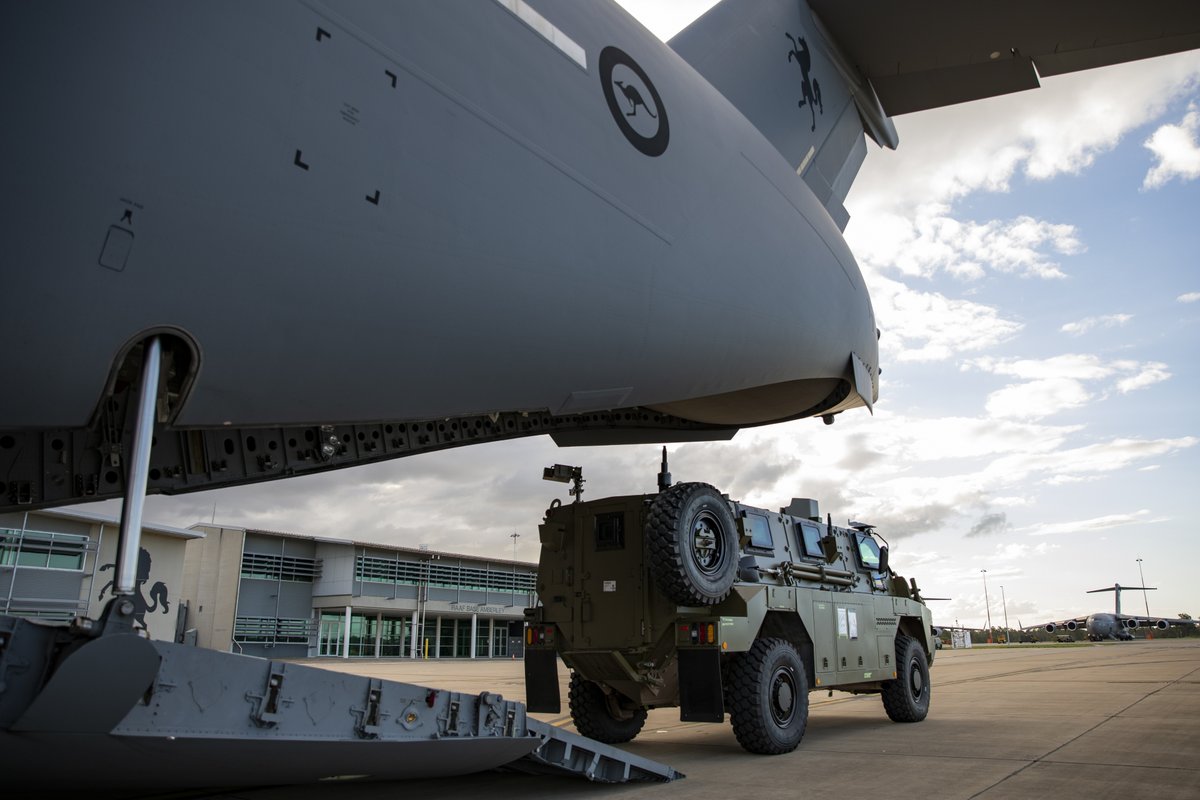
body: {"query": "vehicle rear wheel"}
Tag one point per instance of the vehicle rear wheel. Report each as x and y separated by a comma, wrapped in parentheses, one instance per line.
(906, 698)
(768, 692)
(592, 711)
(691, 540)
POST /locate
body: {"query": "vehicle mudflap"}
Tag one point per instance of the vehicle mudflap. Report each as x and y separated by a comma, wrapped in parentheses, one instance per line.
(700, 696)
(541, 681)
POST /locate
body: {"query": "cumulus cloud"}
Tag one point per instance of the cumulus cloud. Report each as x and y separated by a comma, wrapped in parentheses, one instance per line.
(1080, 327)
(1057, 383)
(1037, 399)
(1060, 128)
(1190, 297)
(932, 241)
(1175, 151)
(929, 326)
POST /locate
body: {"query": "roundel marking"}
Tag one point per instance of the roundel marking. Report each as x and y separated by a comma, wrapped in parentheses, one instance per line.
(642, 119)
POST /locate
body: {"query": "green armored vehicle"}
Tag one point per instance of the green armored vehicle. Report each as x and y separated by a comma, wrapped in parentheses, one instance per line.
(686, 598)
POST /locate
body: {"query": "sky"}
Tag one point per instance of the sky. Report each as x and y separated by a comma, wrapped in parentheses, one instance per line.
(1032, 260)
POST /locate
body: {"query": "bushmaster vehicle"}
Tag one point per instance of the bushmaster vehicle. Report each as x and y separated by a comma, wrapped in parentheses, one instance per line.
(686, 598)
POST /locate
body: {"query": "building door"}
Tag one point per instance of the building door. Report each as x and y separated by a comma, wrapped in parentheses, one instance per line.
(329, 638)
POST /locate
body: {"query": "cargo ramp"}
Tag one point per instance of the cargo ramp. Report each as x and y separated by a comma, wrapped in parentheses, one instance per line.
(125, 712)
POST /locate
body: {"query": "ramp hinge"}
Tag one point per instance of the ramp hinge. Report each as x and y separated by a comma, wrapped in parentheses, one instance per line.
(266, 714)
(368, 726)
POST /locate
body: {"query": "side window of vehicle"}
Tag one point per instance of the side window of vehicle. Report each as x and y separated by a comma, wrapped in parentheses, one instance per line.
(812, 540)
(759, 530)
(610, 531)
(868, 551)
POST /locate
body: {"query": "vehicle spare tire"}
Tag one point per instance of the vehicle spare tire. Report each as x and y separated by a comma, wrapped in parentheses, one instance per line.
(691, 543)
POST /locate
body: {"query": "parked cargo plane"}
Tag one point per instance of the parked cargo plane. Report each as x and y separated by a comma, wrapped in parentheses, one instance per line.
(362, 230)
(1101, 625)
(246, 241)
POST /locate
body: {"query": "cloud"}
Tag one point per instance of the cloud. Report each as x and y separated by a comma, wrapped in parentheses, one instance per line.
(1086, 324)
(1057, 384)
(1060, 128)
(1148, 375)
(1037, 399)
(1175, 150)
(932, 241)
(928, 326)
(1092, 525)
(1071, 365)
(1017, 551)
(1190, 297)
(1093, 459)
(989, 524)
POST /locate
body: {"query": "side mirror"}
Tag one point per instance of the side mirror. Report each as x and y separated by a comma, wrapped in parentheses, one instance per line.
(829, 548)
(883, 559)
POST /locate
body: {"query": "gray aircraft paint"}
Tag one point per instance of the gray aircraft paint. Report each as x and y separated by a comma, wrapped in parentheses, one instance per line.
(513, 219)
(369, 229)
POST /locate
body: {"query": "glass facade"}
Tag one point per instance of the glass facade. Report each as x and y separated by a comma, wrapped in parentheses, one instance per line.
(42, 549)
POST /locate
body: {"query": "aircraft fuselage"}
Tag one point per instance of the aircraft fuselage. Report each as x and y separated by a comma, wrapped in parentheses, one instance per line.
(399, 212)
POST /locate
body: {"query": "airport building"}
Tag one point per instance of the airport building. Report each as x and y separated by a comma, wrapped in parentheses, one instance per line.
(59, 564)
(284, 595)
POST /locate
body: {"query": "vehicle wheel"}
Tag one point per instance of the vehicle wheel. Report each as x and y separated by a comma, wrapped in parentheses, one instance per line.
(691, 540)
(592, 712)
(768, 691)
(906, 699)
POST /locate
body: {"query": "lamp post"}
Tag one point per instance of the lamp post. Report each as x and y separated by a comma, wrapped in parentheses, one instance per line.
(988, 604)
(1143, 577)
(1007, 630)
(514, 536)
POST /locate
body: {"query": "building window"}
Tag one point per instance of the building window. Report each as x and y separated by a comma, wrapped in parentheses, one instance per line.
(375, 569)
(267, 566)
(42, 549)
(269, 630)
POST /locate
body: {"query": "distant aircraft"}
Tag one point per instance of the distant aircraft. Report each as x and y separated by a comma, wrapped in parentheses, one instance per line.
(1102, 625)
(362, 230)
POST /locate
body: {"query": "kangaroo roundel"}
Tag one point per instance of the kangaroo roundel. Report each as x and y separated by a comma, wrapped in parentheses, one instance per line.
(634, 102)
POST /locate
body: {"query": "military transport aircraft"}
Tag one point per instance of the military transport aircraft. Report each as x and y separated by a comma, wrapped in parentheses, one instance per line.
(244, 241)
(1101, 625)
(361, 230)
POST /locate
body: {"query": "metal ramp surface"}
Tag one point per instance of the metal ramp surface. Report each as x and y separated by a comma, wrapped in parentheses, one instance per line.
(126, 712)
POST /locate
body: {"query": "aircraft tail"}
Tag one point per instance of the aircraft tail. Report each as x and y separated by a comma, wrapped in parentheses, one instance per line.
(775, 62)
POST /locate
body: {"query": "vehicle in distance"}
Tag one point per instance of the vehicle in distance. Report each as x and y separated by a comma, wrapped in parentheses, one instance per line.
(687, 598)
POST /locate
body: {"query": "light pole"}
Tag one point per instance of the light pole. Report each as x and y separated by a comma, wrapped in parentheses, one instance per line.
(1143, 577)
(514, 536)
(1007, 630)
(988, 604)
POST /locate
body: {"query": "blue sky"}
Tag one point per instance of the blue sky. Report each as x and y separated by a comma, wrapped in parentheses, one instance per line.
(1033, 264)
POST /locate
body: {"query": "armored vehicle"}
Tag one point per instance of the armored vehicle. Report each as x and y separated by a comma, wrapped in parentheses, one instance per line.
(687, 598)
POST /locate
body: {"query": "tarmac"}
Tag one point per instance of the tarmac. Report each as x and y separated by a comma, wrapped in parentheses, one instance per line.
(1112, 720)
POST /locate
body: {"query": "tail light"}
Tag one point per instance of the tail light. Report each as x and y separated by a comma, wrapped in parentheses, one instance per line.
(539, 635)
(698, 633)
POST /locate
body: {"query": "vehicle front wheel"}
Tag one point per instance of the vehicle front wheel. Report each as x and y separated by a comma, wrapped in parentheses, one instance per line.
(906, 698)
(768, 694)
(600, 717)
